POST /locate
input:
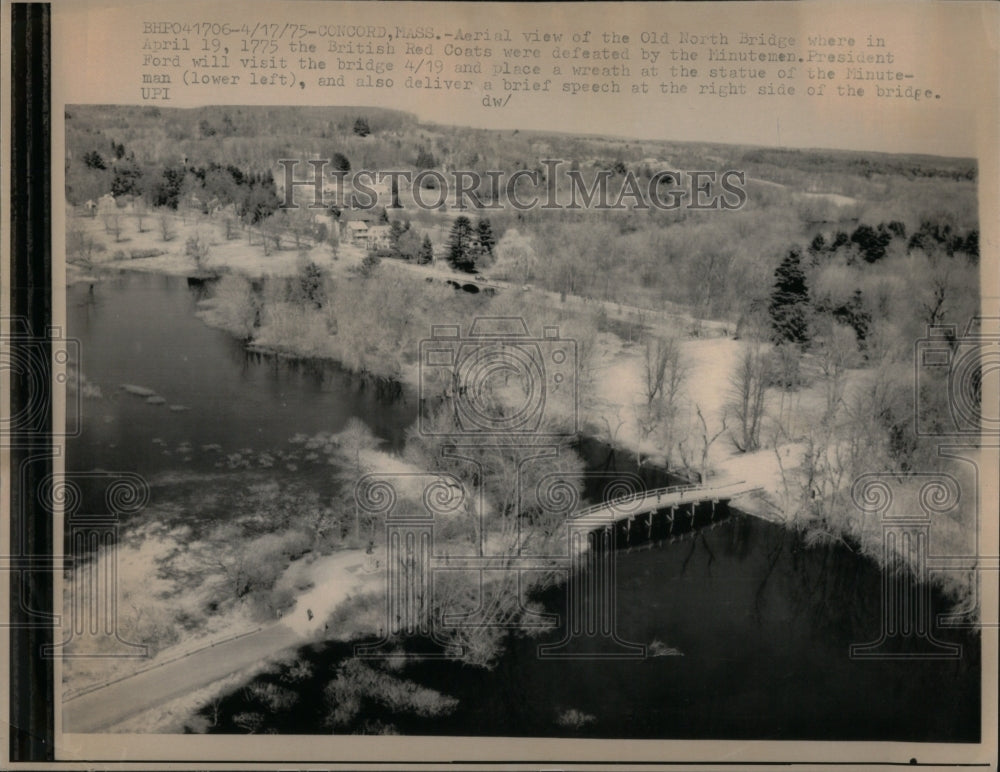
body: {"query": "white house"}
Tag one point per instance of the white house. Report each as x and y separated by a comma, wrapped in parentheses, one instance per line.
(378, 237)
(357, 232)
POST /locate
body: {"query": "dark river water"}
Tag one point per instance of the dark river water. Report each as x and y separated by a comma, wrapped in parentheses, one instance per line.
(759, 623)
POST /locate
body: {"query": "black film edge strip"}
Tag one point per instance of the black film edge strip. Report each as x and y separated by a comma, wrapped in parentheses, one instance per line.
(31, 675)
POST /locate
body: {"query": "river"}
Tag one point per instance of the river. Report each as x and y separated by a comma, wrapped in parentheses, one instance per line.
(755, 623)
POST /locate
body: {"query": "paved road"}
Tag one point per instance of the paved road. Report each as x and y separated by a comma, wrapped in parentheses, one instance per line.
(107, 706)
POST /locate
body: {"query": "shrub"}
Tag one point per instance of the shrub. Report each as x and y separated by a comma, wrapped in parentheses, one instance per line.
(138, 254)
(357, 683)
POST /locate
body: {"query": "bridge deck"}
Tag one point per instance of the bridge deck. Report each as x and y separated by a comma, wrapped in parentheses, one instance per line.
(628, 507)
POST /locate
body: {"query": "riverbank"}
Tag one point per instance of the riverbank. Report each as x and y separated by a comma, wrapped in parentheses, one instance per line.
(805, 463)
(188, 580)
(612, 401)
(208, 666)
(611, 411)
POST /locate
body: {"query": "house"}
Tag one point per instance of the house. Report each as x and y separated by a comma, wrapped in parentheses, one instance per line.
(379, 237)
(357, 232)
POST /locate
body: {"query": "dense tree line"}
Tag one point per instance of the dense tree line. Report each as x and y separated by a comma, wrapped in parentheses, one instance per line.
(864, 164)
(252, 194)
(793, 312)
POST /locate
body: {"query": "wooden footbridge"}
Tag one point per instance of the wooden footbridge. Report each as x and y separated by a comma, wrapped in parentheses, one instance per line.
(680, 505)
(589, 561)
(628, 507)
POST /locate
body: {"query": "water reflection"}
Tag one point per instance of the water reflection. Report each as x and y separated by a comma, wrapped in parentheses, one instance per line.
(763, 623)
(762, 618)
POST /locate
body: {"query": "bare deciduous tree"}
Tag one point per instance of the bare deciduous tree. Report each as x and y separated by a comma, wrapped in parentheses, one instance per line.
(704, 442)
(749, 384)
(665, 373)
(113, 225)
(229, 226)
(354, 438)
(935, 304)
(197, 248)
(167, 232)
(140, 211)
(655, 357)
(301, 222)
(270, 235)
(648, 418)
(836, 352)
(81, 246)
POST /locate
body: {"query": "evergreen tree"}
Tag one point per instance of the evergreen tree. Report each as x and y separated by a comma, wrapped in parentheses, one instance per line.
(127, 179)
(789, 307)
(970, 246)
(426, 254)
(361, 127)
(167, 190)
(425, 159)
(817, 245)
(856, 315)
(461, 244)
(872, 243)
(93, 160)
(340, 163)
(369, 264)
(486, 242)
(396, 231)
(311, 285)
(228, 126)
(261, 199)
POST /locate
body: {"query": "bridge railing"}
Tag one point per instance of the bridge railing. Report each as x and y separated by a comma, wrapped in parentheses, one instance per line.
(657, 492)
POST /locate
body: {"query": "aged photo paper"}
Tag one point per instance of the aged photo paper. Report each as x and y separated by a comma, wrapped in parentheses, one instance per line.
(524, 385)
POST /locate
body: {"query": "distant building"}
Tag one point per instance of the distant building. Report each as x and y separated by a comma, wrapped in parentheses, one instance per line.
(378, 237)
(357, 232)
